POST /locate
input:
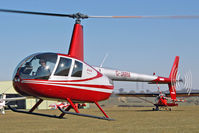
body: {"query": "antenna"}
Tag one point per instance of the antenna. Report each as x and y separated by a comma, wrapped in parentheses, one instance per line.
(106, 55)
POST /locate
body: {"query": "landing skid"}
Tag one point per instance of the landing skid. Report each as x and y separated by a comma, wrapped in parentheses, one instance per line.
(32, 113)
(66, 111)
(158, 108)
(84, 115)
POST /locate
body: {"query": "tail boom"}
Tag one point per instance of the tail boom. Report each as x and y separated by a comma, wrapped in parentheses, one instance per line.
(117, 75)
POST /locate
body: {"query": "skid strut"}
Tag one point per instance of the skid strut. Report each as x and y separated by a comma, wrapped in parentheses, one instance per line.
(72, 105)
(101, 109)
(67, 109)
(36, 105)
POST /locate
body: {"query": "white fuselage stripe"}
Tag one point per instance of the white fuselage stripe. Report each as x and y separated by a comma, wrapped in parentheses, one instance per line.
(57, 82)
(71, 86)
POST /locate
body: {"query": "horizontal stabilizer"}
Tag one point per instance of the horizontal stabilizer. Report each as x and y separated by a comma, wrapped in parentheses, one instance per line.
(178, 94)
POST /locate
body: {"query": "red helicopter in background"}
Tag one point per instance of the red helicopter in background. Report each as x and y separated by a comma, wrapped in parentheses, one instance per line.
(64, 105)
(68, 77)
(163, 100)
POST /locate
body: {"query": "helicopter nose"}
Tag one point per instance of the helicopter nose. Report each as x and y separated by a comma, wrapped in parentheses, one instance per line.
(17, 85)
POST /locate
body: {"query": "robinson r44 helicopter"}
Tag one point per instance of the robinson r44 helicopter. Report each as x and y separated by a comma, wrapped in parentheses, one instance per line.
(68, 77)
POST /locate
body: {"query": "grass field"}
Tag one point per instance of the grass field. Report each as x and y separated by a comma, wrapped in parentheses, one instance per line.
(127, 120)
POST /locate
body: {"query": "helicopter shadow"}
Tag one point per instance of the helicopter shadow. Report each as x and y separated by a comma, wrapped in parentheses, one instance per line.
(158, 111)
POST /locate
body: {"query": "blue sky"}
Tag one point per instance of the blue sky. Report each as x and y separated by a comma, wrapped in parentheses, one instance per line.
(142, 46)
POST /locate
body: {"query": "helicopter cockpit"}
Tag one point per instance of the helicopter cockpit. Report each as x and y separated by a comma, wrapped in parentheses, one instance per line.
(37, 66)
(42, 66)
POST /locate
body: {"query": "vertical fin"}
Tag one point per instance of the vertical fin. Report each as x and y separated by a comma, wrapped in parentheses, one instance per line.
(172, 76)
(174, 69)
(76, 49)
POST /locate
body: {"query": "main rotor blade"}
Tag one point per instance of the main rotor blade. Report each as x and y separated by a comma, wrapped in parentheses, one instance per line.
(37, 13)
(150, 17)
(82, 16)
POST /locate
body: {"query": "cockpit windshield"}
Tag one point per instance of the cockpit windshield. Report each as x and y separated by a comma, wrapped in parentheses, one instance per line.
(39, 66)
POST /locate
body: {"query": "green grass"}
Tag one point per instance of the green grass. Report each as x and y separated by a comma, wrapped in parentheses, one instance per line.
(128, 120)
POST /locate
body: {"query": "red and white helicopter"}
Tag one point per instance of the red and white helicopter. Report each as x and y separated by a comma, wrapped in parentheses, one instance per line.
(68, 77)
(64, 105)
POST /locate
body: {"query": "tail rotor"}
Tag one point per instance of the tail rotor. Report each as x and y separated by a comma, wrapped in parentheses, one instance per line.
(184, 81)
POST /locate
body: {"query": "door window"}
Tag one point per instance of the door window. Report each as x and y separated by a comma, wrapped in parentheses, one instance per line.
(63, 67)
(77, 69)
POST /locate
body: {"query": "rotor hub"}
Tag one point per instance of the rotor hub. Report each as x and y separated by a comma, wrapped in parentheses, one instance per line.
(79, 16)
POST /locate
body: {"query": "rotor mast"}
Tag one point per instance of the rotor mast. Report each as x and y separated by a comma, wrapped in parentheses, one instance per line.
(77, 45)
